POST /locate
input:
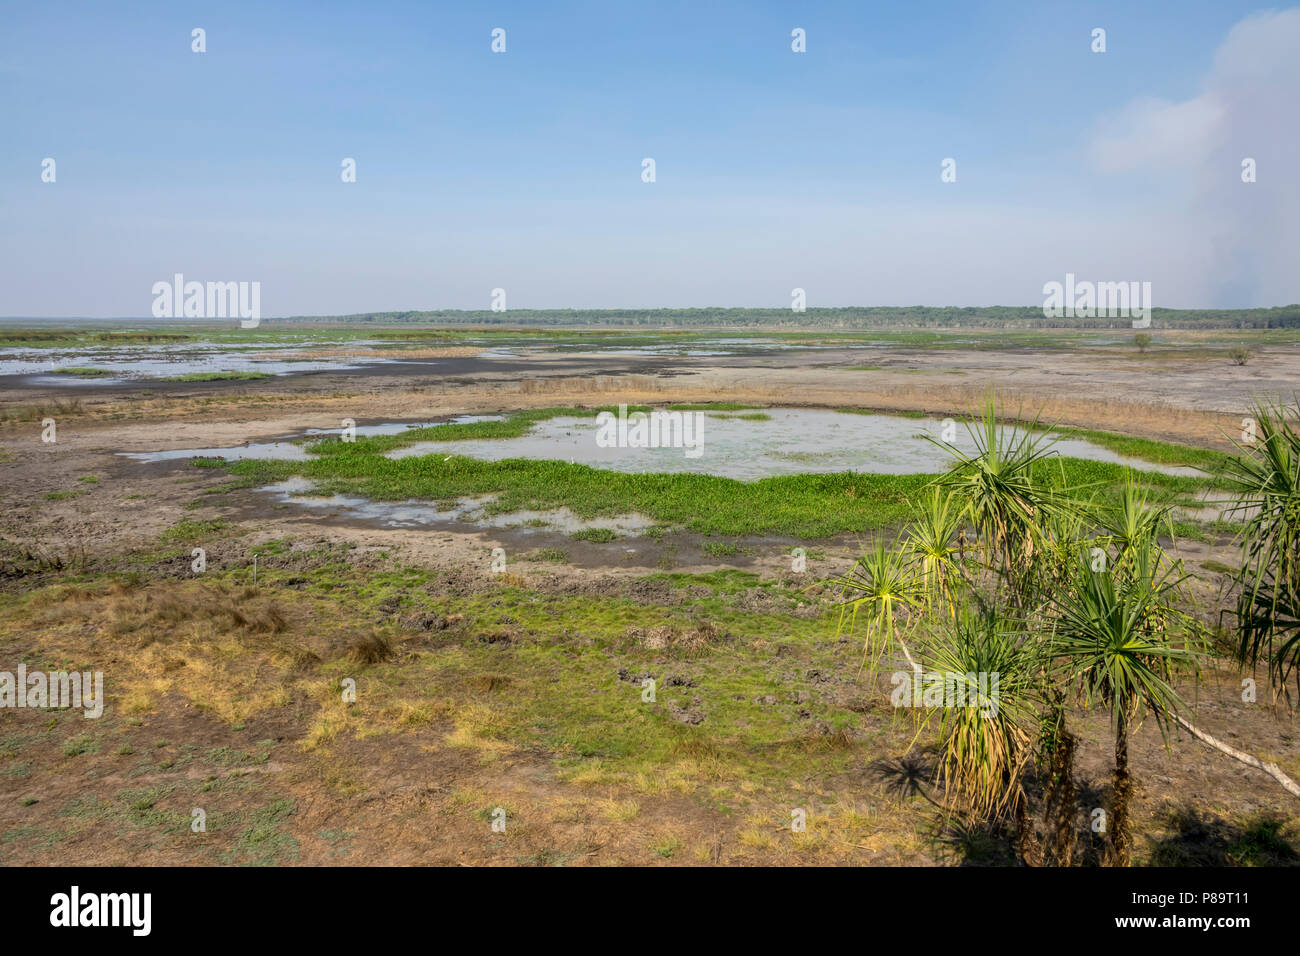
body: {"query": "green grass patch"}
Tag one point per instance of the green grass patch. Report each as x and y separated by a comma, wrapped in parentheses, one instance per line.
(217, 377)
(188, 532)
(724, 581)
(1147, 449)
(512, 426)
(550, 555)
(712, 407)
(80, 744)
(802, 505)
(598, 535)
(906, 413)
(82, 371)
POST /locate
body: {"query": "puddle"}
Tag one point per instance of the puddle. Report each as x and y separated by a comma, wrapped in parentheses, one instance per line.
(285, 449)
(793, 441)
(152, 362)
(275, 450)
(421, 514)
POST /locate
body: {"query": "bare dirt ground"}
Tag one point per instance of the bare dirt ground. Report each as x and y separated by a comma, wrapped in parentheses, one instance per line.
(413, 798)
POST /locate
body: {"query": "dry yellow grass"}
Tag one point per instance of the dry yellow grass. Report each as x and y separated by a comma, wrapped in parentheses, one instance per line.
(620, 811)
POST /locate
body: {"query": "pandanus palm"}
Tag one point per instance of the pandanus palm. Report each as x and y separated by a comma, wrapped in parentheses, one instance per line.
(986, 744)
(1115, 638)
(931, 541)
(1265, 477)
(1003, 500)
(1135, 521)
(881, 587)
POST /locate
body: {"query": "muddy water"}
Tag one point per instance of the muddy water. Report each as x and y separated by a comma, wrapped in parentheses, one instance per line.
(154, 361)
(288, 448)
(423, 514)
(790, 441)
(793, 441)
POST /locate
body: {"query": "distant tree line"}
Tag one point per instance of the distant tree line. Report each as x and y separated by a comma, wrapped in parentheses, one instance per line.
(846, 319)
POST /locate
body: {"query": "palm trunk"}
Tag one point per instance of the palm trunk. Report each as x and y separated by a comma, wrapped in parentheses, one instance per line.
(1030, 852)
(1119, 836)
(1060, 798)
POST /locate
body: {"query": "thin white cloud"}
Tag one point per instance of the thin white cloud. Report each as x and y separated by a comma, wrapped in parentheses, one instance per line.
(1154, 132)
(1246, 109)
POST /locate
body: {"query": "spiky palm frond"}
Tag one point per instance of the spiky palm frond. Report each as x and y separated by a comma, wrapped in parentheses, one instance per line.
(986, 746)
(931, 541)
(1136, 518)
(880, 586)
(1114, 641)
(1265, 479)
(1268, 616)
(1114, 633)
(1002, 499)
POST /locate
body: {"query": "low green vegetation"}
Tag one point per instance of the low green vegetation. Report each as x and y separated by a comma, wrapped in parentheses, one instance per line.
(192, 532)
(549, 555)
(512, 426)
(801, 505)
(804, 505)
(711, 407)
(758, 709)
(62, 495)
(906, 413)
(41, 336)
(217, 377)
(1148, 449)
(82, 371)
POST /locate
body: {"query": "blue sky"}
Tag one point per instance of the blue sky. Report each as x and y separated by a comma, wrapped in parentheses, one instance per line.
(522, 170)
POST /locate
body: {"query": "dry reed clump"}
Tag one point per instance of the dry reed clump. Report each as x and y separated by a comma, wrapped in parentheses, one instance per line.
(487, 683)
(34, 413)
(72, 595)
(665, 636)
(28, 558)
(1146, 419)
(370, 647)
(166, 608)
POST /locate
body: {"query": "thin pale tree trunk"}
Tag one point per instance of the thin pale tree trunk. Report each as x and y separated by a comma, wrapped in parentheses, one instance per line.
(1272, 769)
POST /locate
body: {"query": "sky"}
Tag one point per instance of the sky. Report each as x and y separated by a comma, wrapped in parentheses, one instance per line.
(523, 170)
